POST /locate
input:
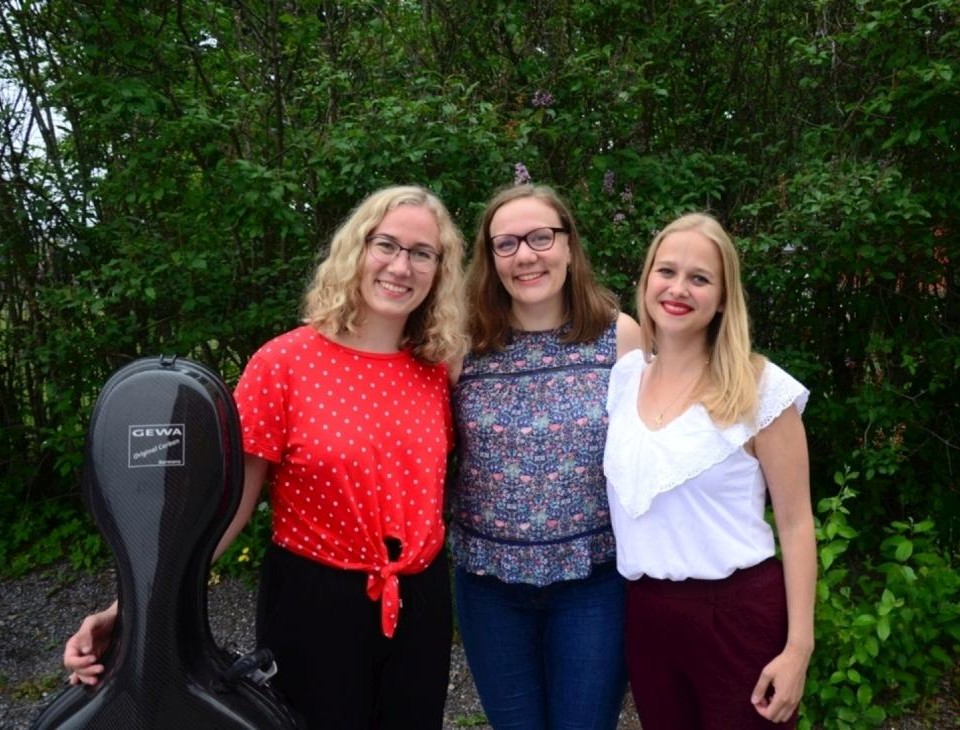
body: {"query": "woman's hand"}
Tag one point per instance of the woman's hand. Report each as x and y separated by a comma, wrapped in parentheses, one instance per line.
(84, 649)
(780, 688)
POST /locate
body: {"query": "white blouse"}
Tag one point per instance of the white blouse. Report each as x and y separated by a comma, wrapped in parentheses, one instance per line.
(687, 500)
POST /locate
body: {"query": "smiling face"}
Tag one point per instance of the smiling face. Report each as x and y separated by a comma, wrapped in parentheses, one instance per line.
(684, 289)
(533, 279)
(392, 291)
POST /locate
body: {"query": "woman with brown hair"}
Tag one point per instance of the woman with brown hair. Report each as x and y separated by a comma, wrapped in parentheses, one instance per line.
(539, 601)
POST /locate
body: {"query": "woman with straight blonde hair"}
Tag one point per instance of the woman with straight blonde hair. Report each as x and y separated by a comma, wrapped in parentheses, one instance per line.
(348, 418)
(718, 633)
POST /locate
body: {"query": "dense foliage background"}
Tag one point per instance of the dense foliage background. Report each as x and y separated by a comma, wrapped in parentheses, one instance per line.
(170, 171)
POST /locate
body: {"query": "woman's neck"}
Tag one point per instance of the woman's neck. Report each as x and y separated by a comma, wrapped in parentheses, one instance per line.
(369, 336)
(680, 358)
(537, 318)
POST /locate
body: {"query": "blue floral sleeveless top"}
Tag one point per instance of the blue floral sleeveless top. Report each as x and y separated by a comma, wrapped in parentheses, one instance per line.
(529, 504)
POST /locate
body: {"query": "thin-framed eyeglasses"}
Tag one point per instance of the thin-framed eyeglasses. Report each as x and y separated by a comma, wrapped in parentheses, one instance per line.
(423, 259)
(539, 239)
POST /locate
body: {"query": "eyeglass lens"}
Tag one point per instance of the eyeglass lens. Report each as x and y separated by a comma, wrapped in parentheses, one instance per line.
(421, 259)
(539, 239)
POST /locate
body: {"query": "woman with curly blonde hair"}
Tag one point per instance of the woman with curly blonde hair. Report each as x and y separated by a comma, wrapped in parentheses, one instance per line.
(348, 417)
(434, 331)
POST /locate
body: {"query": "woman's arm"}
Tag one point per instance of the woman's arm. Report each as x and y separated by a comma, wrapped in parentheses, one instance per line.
(255, 471)
(782, 451)
(628, 334)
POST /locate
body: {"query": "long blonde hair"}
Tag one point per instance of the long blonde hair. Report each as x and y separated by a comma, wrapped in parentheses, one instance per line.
(729, 391)
(435, 331)
(589, 307)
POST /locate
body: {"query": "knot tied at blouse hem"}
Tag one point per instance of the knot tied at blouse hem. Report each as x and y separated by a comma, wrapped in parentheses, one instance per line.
(384, 585)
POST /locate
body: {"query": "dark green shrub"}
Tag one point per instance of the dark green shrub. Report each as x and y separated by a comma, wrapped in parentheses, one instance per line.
(887, 622)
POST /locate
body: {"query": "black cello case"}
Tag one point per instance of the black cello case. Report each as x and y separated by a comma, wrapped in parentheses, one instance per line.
(163, 477)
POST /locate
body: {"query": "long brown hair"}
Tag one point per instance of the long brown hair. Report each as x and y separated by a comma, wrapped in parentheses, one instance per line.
(588, 307)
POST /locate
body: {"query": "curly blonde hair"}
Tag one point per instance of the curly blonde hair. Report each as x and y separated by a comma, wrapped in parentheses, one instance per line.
(435, 331)
(729, 391)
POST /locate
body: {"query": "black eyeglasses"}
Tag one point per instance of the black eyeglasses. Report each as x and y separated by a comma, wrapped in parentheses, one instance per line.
(423, 259)
(539, 239)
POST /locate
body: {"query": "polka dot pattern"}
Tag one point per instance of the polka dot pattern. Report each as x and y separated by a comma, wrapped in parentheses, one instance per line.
(359, 443)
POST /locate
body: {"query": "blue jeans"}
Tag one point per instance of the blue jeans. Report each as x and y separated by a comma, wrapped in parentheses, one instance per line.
(546, 658)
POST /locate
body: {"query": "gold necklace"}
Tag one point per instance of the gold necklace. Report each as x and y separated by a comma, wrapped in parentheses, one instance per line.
(658, 418)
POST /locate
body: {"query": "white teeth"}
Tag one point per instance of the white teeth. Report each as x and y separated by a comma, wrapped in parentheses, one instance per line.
(528, 277)
(393, 287)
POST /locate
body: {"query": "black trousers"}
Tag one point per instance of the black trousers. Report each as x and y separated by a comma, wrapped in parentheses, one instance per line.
(336, 668)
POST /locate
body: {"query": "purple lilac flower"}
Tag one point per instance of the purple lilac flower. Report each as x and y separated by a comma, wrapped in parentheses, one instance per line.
(521, 175)
(609, 180)
(619, 218)
(541, 99)
(627, 195)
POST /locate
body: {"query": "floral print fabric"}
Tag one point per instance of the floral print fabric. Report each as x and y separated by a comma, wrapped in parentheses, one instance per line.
(529, 504)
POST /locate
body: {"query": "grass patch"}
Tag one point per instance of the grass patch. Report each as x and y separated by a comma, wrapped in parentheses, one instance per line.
(35, 688)
(475, 720)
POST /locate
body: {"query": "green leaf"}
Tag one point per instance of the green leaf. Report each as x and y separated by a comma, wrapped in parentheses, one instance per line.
(829, 552)
(904, 550)
(875, 714)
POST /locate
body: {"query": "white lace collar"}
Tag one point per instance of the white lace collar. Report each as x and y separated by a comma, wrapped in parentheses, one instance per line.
(641, 463)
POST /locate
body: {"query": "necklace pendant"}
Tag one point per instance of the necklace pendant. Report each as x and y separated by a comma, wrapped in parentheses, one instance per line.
(658, 420)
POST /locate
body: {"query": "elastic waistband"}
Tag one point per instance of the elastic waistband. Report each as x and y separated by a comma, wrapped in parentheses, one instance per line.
(472, 531)
(757, 576)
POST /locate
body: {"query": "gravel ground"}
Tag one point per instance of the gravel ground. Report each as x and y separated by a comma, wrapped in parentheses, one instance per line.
(39, 611)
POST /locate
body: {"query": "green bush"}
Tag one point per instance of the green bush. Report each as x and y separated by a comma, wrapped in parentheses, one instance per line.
(49, 533)
(887, 624)
(245, 554)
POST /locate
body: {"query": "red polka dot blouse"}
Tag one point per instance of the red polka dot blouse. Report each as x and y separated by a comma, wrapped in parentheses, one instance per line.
(359, 443)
